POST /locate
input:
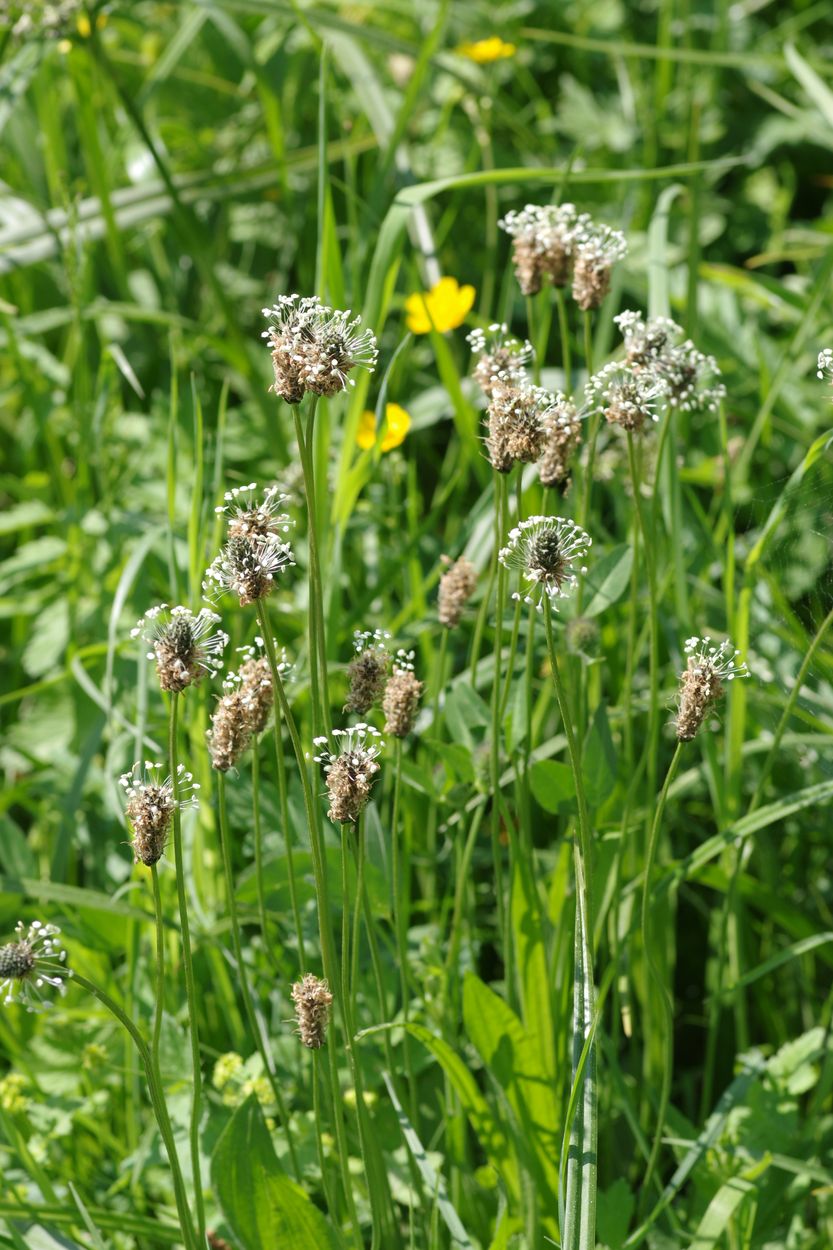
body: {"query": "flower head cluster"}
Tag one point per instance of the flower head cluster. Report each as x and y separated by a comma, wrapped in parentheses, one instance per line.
(312, 999)
(350, 770)
(562, 435)
(26, 20)
(548, 553)
(515, 424)
(247, 568)
(151, 805)
(596, 252)
(255, 680)
(501, 358)
(184, 645)
(255, 519)
(243, 708)
(544, 237)
(457, 585)
(402, 695)
(657, 347)
(33, 961)
(825, 364)
(315, 348)
(701, 685)
(367, 670)
(628, 397)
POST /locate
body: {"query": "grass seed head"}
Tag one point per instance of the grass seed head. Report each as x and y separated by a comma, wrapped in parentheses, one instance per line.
(367, 670)
(313, 1000)
(31, 965)
(457, 585)
(350, 771)
(402, 695)
(151, 805)
(701, 684)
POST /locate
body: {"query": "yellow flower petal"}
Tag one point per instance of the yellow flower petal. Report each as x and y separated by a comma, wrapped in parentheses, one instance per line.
(483, 51)
(398, 423)
(366, 433)
(442, 308)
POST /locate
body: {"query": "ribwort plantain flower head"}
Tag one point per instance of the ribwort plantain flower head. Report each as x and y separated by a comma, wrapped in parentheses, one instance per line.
(562, 435)
(184, 645)
(315, 348)
(628, 397)
(350, 770)
(31, 965)
(691, 378)
(500, 357)
(515, 424)
(367, 670)
(151, 805)
(247, 568)
(313, 1000)
(595, 252)
(548, 553)
(402, 695)
(825, 364)
(255, 519)
(544, 237)
(457, 585)
(701, 685)
(255, 677)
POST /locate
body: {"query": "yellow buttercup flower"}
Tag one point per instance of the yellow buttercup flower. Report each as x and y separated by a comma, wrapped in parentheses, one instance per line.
(442, 308)
(397, 425)
(483, 51)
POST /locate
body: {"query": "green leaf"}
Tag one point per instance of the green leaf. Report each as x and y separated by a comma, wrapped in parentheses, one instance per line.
(465, 712)
(552, 784)
(514, 1059)
(599, 761)
(616, 1206)
(607, 581)
(434, 1183)
(486, 1127)
(261, 1205)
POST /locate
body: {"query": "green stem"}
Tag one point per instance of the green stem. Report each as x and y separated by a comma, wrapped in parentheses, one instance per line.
(500, 530)
(653, 623)
(245, 989)
(316, 595)
(654, 970)
(328, 958)
(288, 842)
(400, 895)
(157, 1102)
(160, 968)
(564, 331)
(580, 1201)
(439, 681)
(258, 831)
(190, 983)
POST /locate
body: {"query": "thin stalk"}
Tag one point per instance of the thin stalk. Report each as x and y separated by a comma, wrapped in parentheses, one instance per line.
(564, 331)
(157, 1099)
(258, 831)
(439, 681)
(328, 957)
(653, 623)
(399, 897)
(283, 805)
(654, 970)
(532, 329)
(160, 969)
(319, 1132)
(500, 530)
(190, 983)
(316, 594)
(245, 989)
(580, 1201)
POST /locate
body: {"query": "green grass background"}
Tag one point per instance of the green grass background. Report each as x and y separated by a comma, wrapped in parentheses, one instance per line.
(163, 176)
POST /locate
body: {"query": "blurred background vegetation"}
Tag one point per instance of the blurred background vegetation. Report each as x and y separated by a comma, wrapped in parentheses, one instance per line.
(166, 171)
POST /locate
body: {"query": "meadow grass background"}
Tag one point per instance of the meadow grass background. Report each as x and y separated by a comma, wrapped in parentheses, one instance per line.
(166, 171)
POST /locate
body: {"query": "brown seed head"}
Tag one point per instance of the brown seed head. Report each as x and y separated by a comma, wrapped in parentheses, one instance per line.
(401, 700)
(312, 999)
(701, 685)
(231, 730)
(367, 670)
(457, 585)
(257, 691)
(562, 435)
(350, 771)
